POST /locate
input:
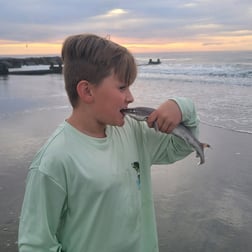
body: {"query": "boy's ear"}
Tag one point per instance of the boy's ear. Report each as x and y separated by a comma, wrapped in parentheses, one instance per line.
(84, 90)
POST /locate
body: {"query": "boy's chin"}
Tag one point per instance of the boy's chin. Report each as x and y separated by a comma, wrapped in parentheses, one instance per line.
(119, 123)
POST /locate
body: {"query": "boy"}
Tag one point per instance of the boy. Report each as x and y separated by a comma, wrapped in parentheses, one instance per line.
(89, 187)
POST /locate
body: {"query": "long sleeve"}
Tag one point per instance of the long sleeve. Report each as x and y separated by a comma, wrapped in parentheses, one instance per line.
(187, 107)
(162, 148)
(41, 213)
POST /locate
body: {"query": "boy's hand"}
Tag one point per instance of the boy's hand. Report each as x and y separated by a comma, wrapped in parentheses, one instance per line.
(167, 116)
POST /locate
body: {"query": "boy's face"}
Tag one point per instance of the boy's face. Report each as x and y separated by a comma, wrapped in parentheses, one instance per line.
(110, 97)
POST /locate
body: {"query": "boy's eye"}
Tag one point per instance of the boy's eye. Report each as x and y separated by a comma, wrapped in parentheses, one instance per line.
(123, 87)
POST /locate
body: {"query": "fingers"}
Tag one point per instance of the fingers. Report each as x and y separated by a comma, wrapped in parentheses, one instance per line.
(152, 119)
(162, 124)
(167, 116)
(165, 126)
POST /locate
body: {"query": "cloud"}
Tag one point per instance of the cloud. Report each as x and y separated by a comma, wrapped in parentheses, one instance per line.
(135, 21)
(114, 13)
(212, 43)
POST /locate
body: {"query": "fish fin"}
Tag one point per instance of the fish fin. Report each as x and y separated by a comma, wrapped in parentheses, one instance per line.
(205, 145)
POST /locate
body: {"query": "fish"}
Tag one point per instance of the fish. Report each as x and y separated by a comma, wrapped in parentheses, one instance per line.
(181, 131)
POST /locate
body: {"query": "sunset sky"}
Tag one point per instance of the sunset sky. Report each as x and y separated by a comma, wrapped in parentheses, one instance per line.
(40, 26)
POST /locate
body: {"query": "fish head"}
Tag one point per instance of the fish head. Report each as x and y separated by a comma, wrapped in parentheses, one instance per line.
(138, 113)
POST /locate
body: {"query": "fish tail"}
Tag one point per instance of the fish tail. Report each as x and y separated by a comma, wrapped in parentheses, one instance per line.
(202, 158)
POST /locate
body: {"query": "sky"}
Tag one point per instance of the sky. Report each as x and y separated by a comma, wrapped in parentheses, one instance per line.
(40, 26)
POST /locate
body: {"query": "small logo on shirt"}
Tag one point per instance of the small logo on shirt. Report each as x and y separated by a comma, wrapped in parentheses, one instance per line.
(135, 165)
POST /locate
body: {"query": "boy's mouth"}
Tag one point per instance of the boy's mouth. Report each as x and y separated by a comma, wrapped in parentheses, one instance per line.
(123, 111)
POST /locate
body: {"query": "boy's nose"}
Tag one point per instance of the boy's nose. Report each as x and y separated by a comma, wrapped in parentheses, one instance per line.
(129, 97)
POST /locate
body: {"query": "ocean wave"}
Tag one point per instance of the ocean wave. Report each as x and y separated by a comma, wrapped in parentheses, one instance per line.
(197, 70)
(225, 74)
(225, 127)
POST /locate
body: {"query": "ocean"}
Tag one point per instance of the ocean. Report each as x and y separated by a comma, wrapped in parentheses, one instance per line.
(220, 84)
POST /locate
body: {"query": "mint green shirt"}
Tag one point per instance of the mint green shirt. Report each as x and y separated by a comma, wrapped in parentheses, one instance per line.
(86, 194)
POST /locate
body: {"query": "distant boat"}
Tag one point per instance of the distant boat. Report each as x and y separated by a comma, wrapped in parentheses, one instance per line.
(151, 62)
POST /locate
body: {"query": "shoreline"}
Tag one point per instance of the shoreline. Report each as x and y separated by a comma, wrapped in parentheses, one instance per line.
(225, 128)
(228, 161)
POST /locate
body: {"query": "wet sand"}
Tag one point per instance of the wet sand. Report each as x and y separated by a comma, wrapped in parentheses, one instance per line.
(185, 196)
(207, 207)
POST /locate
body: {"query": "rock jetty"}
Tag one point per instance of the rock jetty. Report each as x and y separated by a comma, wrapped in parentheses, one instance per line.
(54, 65)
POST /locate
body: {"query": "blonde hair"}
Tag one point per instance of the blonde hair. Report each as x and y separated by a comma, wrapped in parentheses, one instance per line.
(92, 58)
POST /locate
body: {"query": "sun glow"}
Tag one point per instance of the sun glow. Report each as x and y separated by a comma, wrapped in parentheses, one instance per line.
(203, 43)
(15, 48)
(116, 12)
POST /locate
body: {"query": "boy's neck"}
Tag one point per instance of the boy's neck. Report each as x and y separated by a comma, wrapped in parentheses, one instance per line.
(86, 126)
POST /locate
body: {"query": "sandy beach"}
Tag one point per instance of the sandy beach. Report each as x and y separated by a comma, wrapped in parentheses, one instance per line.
(207, 207)
(187, 197)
